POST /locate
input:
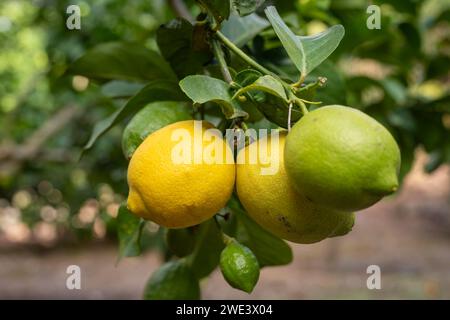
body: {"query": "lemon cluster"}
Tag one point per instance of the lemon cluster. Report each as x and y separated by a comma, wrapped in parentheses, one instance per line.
(335, 160)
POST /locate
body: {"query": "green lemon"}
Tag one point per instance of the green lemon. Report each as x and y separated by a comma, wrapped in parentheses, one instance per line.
(341, 158)
(344, 227)
(239, 266)
(272, 201)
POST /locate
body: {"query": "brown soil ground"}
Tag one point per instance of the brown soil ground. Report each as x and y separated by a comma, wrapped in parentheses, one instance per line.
(407, 236)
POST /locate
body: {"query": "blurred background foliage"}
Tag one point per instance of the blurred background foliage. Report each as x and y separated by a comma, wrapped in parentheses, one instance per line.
(398, 74)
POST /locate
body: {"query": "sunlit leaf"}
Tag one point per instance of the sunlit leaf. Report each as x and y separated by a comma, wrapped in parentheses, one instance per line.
(202, 89)
(267, 84)
(151, 118)
(306, 52)
(241, 30)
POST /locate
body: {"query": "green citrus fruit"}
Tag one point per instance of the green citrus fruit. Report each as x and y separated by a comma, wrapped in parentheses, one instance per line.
(239, 266)
(272, 201)
(341, 158)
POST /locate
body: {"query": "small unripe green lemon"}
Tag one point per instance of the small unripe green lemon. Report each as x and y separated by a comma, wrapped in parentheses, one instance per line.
(239, 266)
(271, 200)
(341, 158)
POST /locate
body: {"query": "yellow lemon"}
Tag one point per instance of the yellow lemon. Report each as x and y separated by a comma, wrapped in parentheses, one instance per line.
(181, 174)
(269, 198)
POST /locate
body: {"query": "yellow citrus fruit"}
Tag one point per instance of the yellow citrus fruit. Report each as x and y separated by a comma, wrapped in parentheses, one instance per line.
(181, 174)
(341, 158)
(273, 203)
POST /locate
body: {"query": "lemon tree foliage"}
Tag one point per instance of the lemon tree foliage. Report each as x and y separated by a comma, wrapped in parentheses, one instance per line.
(201, 89)
(127, 61)
(269, 249)
(157, 90)
(129, 231)
(184, 46)
(243, 64)
(241, 30)
(175, 280)
(163, 113)
(305, 52)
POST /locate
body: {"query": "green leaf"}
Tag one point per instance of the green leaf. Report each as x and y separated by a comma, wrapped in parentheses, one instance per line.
(175, 41)
(250, 105)
(124, 61)
(266, 83)
(129, 231)
(121, 89)
(402, 118)
(151, 118)
(219, 9)
(333, 91)
(175, 280)
(247, 77)
(181, 241)
(246, 7)
(395, 89)
(202, 89)
(239, 266)
(306, 52)
(159, 90)
(308, 91)
(209, 245)
(277, 111)
(269, 249)
(436, 158)
(240, 30)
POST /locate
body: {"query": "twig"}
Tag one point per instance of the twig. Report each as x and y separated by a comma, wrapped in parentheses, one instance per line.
(12, 156)
(218, 53)
(230, 45)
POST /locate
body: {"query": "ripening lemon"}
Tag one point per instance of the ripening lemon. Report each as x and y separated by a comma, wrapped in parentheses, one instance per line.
(269, 198)
(341, 158)
(181, 175)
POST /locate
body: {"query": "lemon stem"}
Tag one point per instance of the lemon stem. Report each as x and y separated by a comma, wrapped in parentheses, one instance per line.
(289, 117)
(302, 106)
(218, 53)
(299, 82)
(241, 54)
(227, 239)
